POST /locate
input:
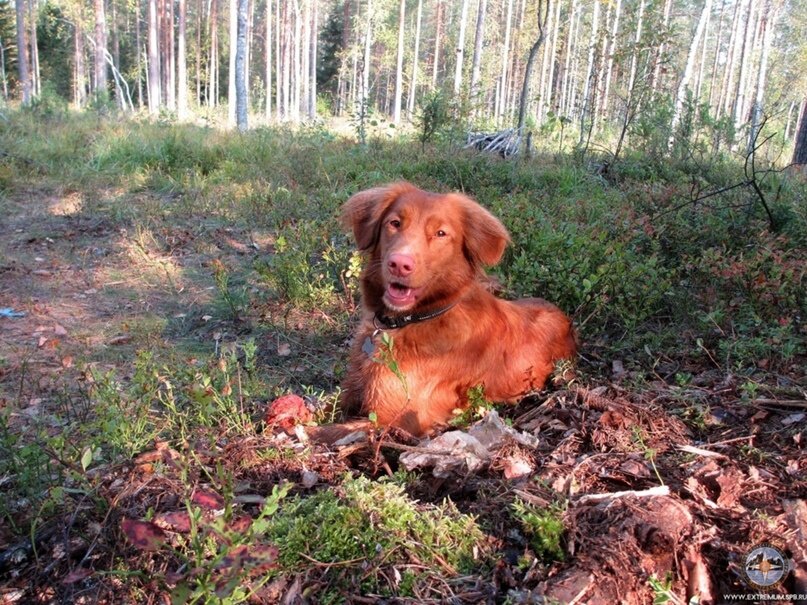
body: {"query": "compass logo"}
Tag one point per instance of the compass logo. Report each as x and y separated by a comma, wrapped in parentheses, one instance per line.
(765, 566)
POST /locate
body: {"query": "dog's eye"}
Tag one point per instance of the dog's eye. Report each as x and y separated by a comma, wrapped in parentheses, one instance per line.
(395, 223)
(441, 233)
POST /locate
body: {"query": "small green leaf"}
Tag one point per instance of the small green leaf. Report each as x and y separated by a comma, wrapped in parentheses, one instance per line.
(86, 458)
(373, 417)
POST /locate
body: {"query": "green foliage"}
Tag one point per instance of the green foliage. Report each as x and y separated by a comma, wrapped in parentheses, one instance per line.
(433, 115)
(543, 527)
(373, 522)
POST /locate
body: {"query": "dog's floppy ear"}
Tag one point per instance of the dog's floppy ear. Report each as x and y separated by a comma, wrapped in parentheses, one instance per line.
(364, 210)
(485, 236)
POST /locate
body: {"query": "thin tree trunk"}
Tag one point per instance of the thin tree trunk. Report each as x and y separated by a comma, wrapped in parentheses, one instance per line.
(611, 50)
(460, 48)
(278, 63)
(715, 61)
(550, 84)
(312, 63)
(100, 48)
(476, 62)
(213, 70)
(396, 112)
(659, 57)
(500, 98)
(702, 64)
(365, 77)
(768, 24)
(182, 63)
(413, 84)
(800, 149)
(634, 60)
(745, 61)
(3, 74)
(250, 44)
(268, 52)
(139, 55)
(789, 120)
(683, 85)
(155, 97)
(567, 59)
(231, 99)
(199, 52)
(241, 64)
(543, 15)
(305, 55)
(438, 35)
(296, 66)
(80, 90)
(727, 82)
(588, 88)
(36, 79)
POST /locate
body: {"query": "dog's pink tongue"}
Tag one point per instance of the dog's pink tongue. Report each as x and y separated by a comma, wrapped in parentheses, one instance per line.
(400, 294)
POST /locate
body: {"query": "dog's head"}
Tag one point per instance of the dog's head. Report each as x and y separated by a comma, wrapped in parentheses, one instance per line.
(424, 248)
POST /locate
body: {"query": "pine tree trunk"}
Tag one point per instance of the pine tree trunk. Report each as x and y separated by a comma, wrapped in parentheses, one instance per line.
(634, 60)
(396, 112)
(659, 56)
(551, 82)
(155, 97)
(460, 48)
(683, 85)
(182, 63)
(213, 69)
(139, 54)
(476, 63)
(365, 77)
(715, 61)
(242, 18)
(278, 62)
(296, 66)
(413, 85)
(172, 59)
(702, 64)
(268, 52)
(100, 48)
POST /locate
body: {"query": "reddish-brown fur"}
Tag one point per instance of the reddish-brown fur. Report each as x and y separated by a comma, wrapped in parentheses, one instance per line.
(437, 244)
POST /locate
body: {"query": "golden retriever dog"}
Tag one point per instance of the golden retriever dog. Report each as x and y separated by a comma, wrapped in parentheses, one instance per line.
(430, 327)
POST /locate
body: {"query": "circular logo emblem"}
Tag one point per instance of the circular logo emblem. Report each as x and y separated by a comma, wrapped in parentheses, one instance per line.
(765, 566)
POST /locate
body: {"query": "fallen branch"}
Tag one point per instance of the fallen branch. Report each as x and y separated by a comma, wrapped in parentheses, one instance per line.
(661, 490)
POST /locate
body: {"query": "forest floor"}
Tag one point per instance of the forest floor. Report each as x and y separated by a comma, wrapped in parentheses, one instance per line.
(140, 467)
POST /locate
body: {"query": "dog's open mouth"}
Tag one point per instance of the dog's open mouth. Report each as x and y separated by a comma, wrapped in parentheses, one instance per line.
(400, 297)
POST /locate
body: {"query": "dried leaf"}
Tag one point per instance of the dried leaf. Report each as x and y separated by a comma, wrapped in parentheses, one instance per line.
(142, 534)
(176, 521)
(59, 330)
(207, 499)
(77, 575)
(284, 349)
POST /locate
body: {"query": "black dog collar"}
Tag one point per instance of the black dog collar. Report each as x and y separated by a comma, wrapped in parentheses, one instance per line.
(385, 322)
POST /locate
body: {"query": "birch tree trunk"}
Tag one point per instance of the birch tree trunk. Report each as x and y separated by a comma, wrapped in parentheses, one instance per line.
(182, 63)
(500, 98)
(715, 61)
(479, 35)
(610, 68)
(155, 96)
(415, 61)
(241, 64)
(550, 83)
(727, 83)
(588, 86)
(460, 48)
(268, 52)
(739, 113)
(79, 85)
(396, 112)
(438, 34)
(312, 63)
(365, 78)
(23, 64)
(36, 79)
(768, 24)
(231, 98)
(100, 48)
(683, 85)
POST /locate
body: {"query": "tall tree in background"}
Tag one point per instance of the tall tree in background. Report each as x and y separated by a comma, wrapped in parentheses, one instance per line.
(312, 65)
(413, 83)
(231, 98)
(460, 48)
(23, 64)
(768, 18)
(155, 97)
(182, 63)
(543, 15)
(268, 51)
(683, 85)
(100, 48)
(479, 35)
(502, 84)
(240, 64)
(800, 150)
(396, 112)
